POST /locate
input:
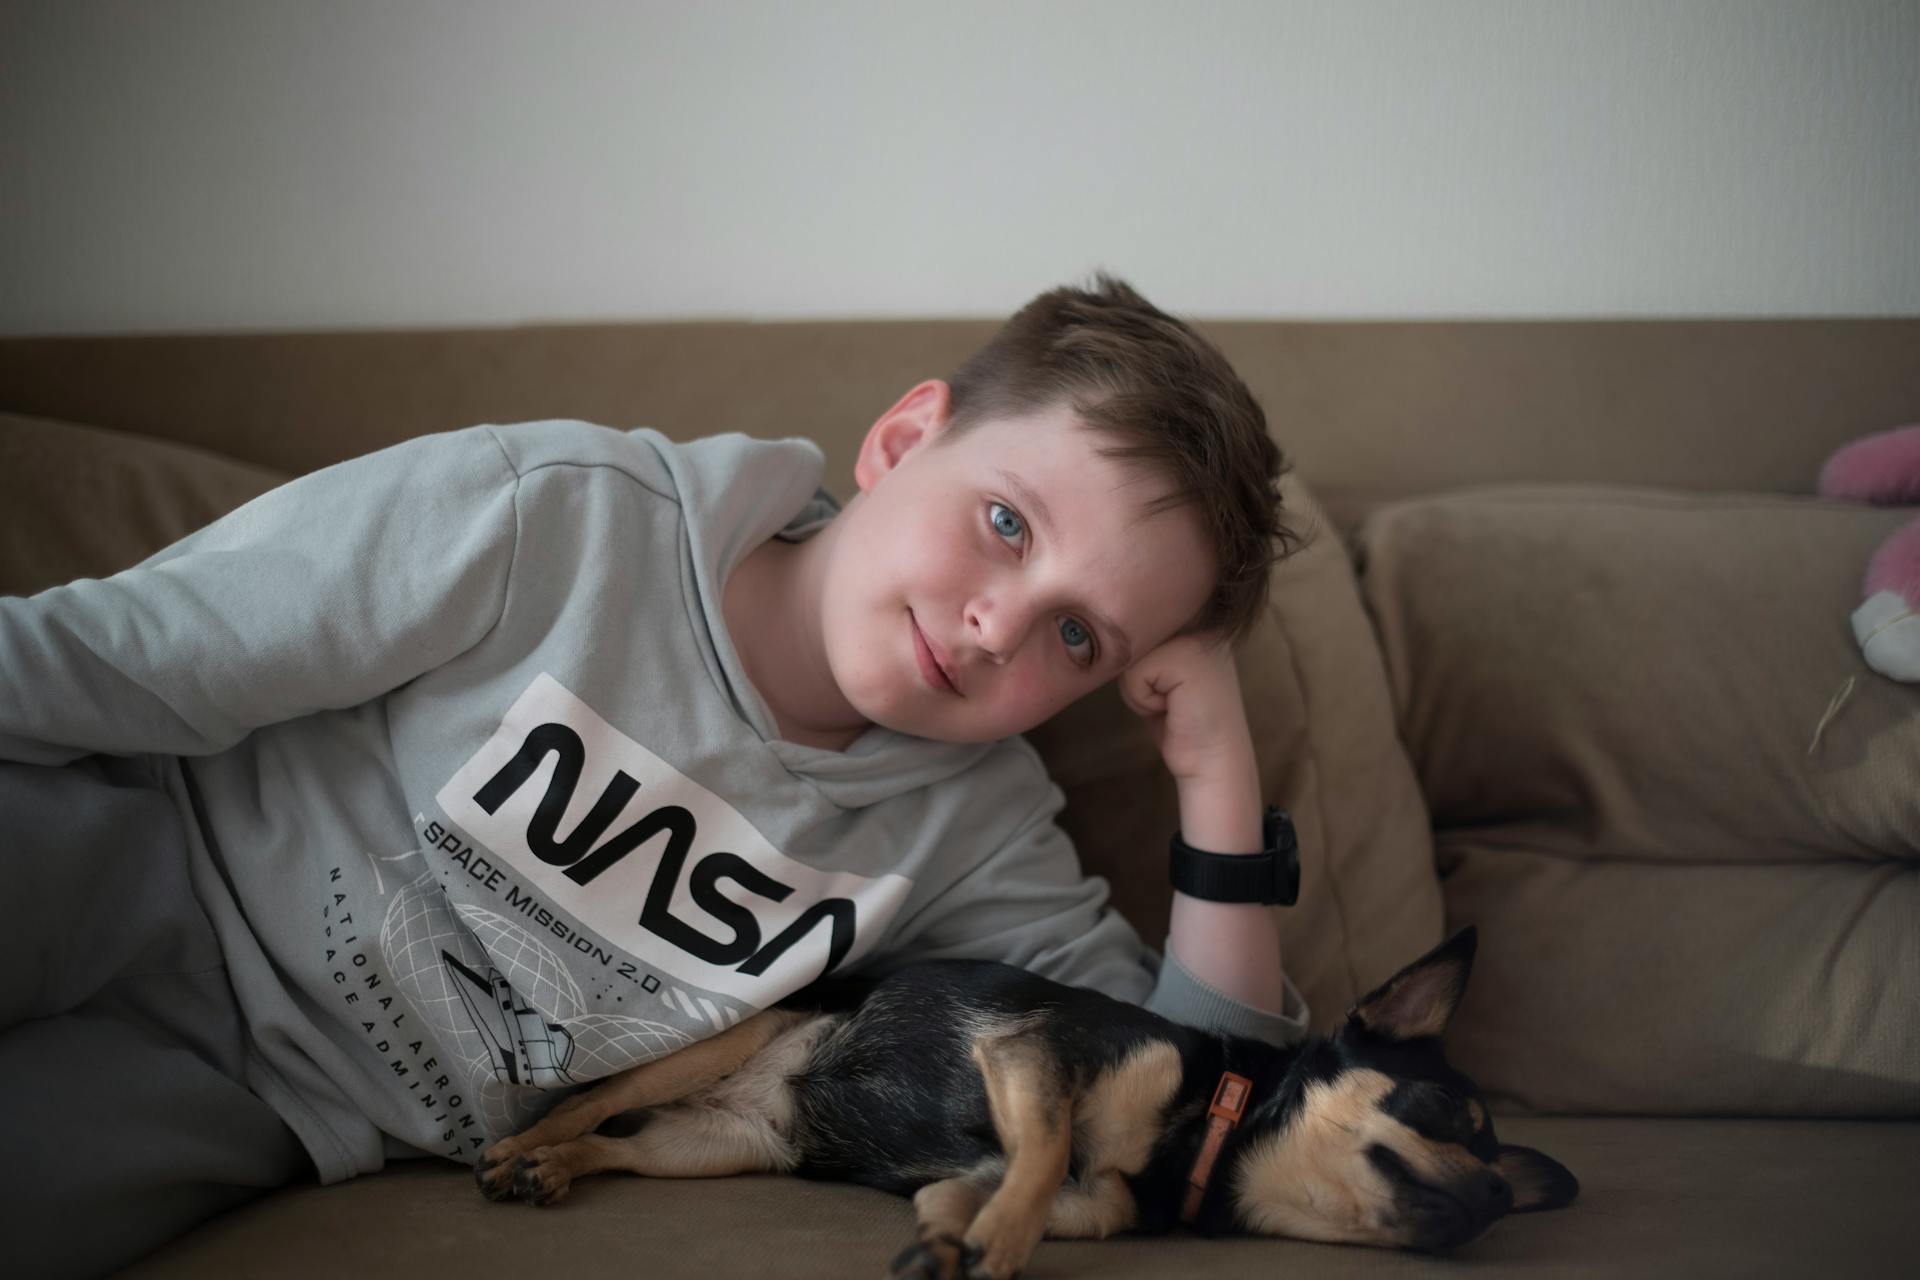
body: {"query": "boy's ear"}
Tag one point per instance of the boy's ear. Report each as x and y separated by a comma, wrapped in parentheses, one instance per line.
(916, 417)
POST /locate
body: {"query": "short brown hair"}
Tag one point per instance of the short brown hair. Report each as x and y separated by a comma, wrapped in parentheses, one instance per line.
(1166, 399)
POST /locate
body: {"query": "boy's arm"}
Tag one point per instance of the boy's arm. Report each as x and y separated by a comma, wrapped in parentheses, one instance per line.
(1189, 691)
(1231, 946)
(323, 593)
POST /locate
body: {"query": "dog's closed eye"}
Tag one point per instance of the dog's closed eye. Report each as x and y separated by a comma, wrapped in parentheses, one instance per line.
(1434, 1111)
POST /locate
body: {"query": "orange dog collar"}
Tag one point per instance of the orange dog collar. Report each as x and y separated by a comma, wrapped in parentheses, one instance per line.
(1229, 1102)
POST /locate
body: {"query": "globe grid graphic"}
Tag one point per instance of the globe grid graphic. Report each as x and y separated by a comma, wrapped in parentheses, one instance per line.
(530, 1028)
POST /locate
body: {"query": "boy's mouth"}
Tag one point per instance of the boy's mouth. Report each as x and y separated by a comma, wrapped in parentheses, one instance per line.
(930, 668)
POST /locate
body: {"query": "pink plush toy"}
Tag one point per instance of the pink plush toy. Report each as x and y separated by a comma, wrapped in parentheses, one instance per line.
(1885, 468)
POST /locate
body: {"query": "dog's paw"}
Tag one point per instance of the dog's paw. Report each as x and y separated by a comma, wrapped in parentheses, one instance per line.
(929, 1258)
(539, 1177)
(987, 1260)
(495, 1177)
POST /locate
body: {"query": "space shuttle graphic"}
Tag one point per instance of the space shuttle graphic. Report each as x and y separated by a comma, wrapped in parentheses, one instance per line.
(526, 1049)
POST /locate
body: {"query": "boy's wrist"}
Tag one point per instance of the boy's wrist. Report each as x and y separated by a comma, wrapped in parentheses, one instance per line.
(1226, 748)
(1220, 807)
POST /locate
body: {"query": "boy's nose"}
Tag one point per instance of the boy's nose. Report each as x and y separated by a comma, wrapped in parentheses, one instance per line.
(984, 630)
(996, 627)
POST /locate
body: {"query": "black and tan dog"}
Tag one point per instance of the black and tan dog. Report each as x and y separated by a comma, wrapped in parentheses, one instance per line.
(1011, 1107)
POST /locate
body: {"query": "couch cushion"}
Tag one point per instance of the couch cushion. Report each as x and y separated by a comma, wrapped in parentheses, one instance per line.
(84, 502)
(1682, 1198)
(1322, 722)
(1692, 897)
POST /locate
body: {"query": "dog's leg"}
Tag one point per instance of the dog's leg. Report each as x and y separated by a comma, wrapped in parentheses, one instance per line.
(649, 1084)
(1094, 1211)
(1033, 1118)
(1117, 1120)
(943, 1210)
(675, 1142)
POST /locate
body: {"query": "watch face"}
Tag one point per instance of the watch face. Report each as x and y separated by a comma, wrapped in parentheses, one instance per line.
(1289, 888)
(1278, 829)
(1285, 846)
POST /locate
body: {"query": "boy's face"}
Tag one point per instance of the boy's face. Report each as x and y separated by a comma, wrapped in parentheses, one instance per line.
(982, 582)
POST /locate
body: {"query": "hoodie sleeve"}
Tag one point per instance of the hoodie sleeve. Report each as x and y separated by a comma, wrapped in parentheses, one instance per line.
(326, 592)
(1028, 903)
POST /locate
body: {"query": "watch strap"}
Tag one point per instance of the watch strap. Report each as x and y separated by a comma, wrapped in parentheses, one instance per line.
(1271, 876)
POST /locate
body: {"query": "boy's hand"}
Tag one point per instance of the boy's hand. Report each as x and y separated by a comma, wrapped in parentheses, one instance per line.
(1189, 691)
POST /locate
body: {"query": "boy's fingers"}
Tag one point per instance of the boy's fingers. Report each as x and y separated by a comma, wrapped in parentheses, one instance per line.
(1140, 696)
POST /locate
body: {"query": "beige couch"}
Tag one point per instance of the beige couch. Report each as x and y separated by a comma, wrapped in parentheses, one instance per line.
(1568, 658)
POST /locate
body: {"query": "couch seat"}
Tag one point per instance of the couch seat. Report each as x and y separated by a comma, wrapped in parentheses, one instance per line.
(1659, 1197)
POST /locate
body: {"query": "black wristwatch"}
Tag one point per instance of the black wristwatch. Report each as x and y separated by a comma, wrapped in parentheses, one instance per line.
(1271, 876)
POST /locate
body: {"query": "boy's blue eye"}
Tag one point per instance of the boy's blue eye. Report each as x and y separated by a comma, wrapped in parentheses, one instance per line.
(1005, 522)
(1076, 635)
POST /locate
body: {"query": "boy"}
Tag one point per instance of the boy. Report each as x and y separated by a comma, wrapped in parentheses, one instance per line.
(361, 822)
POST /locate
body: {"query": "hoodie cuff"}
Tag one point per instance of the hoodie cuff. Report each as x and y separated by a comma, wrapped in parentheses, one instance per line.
(1185, 999)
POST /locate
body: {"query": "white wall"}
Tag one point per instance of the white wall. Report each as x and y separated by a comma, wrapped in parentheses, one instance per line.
(263, 164)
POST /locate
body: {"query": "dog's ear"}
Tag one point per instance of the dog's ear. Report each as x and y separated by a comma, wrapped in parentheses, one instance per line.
(1420, 999)
(1538, 1181)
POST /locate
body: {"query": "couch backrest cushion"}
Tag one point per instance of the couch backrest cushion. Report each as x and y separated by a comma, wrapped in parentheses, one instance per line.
(1372, 409)
(83, 502)
(1322, 722)
(1692, 896)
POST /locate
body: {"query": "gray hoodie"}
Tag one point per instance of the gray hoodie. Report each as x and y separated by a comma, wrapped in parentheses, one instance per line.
(483, 806)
